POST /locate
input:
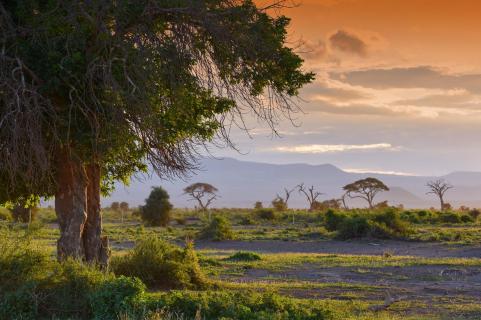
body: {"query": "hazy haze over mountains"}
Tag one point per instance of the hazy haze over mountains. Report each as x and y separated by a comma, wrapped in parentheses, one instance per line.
(241, 183)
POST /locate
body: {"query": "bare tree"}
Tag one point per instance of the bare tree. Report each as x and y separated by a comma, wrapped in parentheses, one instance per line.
(287, 195)
(439, 188)
(203, 193)
(365, 189)
(310, 194)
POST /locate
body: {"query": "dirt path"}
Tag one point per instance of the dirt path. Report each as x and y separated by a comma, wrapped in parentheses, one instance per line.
(358, 247)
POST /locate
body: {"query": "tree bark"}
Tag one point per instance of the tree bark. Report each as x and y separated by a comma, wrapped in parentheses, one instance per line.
(70, 205)
(95, 246)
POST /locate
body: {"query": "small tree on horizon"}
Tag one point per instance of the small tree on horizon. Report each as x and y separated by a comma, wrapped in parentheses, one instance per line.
(156, 211)
(203, 193)
(310, 193)
(115, 206)
(439, 188)
(366, 189)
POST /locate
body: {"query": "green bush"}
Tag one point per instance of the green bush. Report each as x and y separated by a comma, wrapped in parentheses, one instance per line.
(34, 286)
(266, 214)
(22, 214)
(244, 256)
(333, 220)
(219, 228)
(161, 265)
(389, 225)
(241, 306)
(353, 227)
(449, 217)
(156, 211)
(5, 215)
(474, 213)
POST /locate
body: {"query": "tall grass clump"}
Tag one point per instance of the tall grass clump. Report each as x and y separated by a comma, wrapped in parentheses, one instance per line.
(161, 265)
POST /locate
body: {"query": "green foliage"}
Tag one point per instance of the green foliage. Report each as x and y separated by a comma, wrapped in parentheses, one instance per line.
(353, 227)
(157, 208)
(152, 101)
(22, 214)
(161, 265)
(219, 228)
(244, 256)
(279, 204)
(333, 220)
(5, 215)
(386, 224)
(32, 286)
(242, 306)
(266, 214)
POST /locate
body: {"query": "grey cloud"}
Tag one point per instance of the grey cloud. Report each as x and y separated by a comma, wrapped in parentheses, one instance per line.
(314, 51)
(348, 42)
(414, 77)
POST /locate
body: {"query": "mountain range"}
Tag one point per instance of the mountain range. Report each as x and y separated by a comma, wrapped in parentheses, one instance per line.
(242, 183)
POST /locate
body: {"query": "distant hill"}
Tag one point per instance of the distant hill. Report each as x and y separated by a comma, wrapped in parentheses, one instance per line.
(242, 183)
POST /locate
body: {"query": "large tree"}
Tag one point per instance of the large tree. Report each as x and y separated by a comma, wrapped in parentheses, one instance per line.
(92, 91)
(366, 189)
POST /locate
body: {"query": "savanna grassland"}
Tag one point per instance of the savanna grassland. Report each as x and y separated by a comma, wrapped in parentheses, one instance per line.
(255, 264)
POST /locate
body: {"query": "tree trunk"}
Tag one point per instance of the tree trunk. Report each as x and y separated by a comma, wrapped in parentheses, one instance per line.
(70, 205)
(96, 247)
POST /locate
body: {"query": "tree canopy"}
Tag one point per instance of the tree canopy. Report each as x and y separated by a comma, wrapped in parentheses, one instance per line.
(124, 83)
(365, 189)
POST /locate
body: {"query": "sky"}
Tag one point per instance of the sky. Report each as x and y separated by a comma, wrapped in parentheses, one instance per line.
(397, 89)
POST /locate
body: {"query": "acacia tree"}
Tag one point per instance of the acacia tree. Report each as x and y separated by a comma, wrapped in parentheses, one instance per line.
(366, 189)
(284, 200)
(439, 188)
(310, 193)
(92, 91)
(203, 193)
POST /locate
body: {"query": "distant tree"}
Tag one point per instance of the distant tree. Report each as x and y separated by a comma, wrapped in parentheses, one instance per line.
(343, 200)
(115, 206)
(203, 193)
(287, 196)
(310, 193)
(279, 204)
(156, 211)
(258, 205)
(439, 188)
(366, 189)
(124, 206)
(382, 205)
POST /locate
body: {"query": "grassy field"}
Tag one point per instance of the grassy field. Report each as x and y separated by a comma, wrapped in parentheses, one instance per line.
(433, 271)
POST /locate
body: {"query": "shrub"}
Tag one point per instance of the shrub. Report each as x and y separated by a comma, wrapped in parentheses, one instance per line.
(353, 227)
(241, 306)
(156, 211)
(279, 204)
(244, 256)
(161, 265)
(474, 213)
(258, 205)
(449, 217)
(466, 218)
(247, 221)
(389, 225)
(5, 215)
(266, 214)
(219, 228)
(22, 214)
(333, 220)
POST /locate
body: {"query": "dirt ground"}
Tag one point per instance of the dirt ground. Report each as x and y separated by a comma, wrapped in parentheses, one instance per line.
(358, 247)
